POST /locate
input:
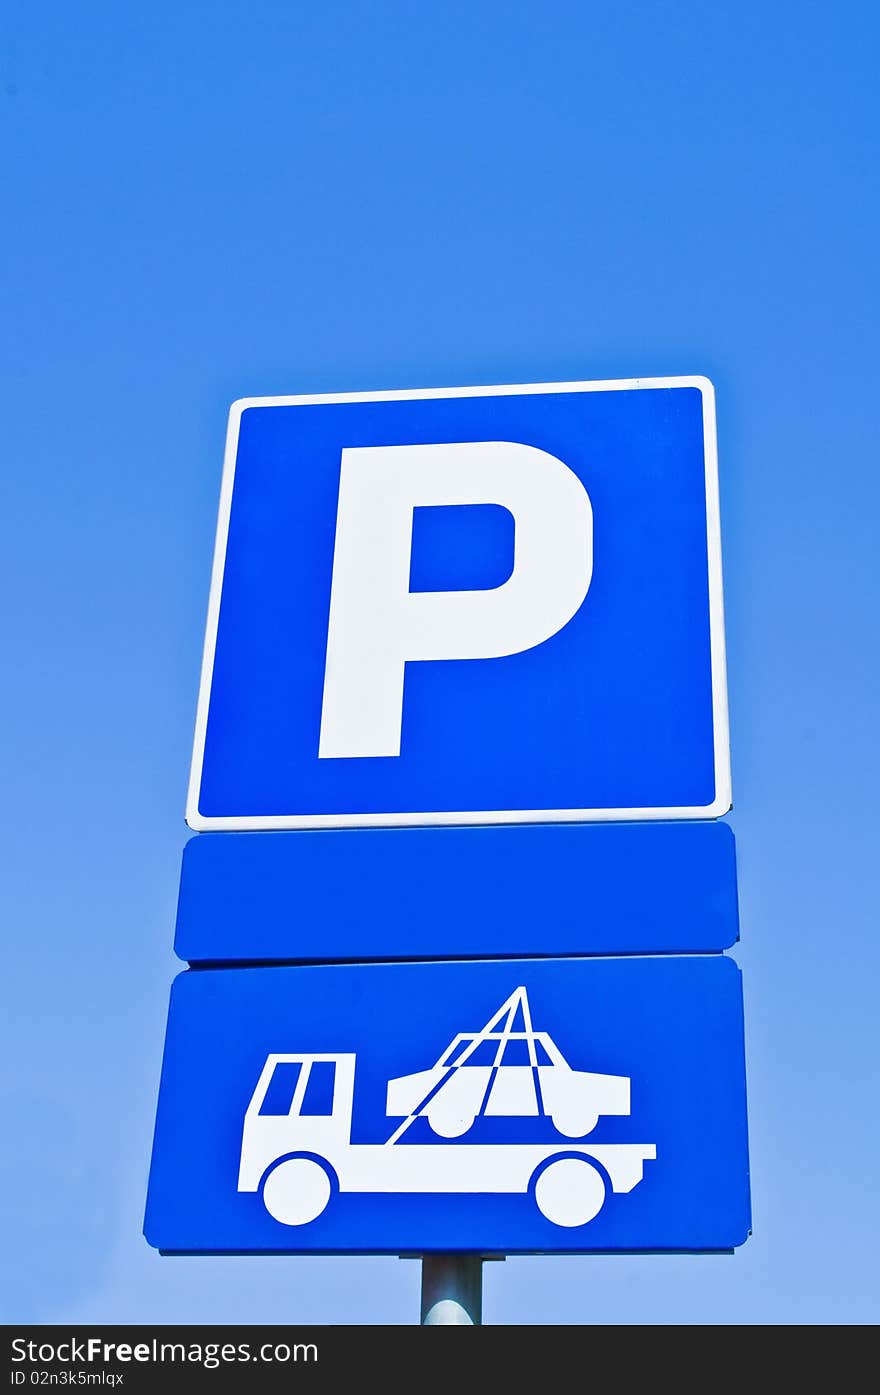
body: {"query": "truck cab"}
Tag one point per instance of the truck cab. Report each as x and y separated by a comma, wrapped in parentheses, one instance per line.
(302, 1103)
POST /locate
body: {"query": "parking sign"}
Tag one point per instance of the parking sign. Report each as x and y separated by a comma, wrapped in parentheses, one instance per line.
(466, 605)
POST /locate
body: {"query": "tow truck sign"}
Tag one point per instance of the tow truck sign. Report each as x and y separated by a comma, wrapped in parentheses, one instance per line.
(491, 1107)
(466, 605)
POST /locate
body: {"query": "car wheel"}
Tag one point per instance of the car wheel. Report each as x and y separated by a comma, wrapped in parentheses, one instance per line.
(574, 1126)
(449, 1125)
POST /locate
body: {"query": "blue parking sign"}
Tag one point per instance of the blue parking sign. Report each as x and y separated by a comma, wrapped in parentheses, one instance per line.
(492, 1107)
(470, 605)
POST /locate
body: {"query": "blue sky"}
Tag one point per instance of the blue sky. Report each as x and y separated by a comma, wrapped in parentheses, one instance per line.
(209, 201)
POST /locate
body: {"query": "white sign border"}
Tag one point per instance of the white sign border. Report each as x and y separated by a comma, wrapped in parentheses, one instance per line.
(722, 801)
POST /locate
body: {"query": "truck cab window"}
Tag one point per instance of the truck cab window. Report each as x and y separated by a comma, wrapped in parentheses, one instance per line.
(318, 1097)
(279, 1094)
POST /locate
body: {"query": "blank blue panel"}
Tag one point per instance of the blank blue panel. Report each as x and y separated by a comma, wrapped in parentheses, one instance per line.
(646, 1079)
(418, 893)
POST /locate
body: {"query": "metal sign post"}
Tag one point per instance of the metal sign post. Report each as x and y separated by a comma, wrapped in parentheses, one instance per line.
(452, 1291)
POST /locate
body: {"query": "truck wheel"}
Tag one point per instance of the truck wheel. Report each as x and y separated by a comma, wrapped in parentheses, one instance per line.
(297, 1191)
(570, 1191)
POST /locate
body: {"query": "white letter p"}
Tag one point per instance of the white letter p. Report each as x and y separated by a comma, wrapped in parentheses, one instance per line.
(377, 625)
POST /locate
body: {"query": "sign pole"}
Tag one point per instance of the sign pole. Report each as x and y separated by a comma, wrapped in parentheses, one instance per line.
(452, 1291)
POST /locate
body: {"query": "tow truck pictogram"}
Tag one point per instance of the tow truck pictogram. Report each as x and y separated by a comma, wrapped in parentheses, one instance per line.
(297, 1149)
